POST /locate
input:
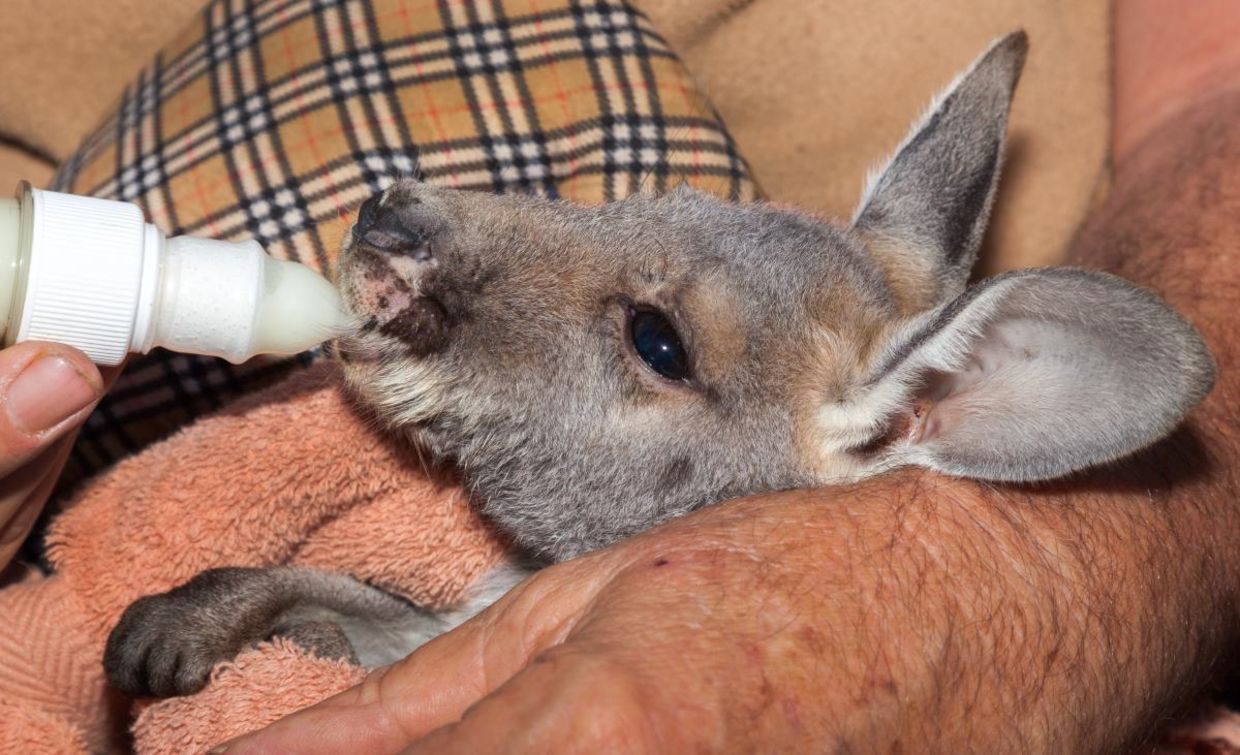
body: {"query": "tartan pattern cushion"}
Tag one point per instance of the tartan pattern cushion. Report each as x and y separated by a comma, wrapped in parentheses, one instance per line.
(274, 119)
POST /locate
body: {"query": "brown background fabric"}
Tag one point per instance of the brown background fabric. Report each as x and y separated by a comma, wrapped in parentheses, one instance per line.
(65, 62)
(814, 91)
(18, 164)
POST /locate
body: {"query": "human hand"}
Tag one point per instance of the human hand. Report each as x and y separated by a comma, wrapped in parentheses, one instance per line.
(47, 391)
(694, 636)
(869, 618)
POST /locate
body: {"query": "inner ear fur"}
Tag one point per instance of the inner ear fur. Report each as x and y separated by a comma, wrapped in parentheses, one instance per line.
(1033, 375)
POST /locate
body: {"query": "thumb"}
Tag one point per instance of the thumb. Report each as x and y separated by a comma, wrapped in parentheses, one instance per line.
(397, 705)
(46, 390)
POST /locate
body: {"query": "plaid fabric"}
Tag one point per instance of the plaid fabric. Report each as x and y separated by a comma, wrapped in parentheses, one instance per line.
(274, 119)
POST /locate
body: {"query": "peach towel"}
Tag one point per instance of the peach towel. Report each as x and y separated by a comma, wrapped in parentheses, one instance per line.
(238, 488)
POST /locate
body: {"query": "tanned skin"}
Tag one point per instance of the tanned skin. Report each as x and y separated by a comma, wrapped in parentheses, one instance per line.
(911, 612)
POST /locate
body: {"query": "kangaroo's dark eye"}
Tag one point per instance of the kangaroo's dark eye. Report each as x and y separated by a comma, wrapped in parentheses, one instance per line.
(655, 341)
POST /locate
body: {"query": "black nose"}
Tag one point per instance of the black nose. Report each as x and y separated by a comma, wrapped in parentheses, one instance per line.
(380, 226)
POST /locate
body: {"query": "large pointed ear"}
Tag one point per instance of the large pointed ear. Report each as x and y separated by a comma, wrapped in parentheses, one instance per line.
(1034, 374)
(928, 206)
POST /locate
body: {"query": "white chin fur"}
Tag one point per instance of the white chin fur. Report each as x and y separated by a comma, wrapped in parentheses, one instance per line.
(402, 391)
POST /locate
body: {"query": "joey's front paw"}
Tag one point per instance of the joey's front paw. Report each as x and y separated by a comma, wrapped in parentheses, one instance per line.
(167, 644)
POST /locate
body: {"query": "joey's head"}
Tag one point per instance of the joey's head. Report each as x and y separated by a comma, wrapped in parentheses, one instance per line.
(596, 370)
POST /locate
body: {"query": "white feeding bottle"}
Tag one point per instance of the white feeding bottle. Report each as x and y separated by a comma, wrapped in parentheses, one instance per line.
(92, 273)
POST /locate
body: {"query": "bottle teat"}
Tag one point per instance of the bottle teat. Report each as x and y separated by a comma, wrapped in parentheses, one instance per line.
(93, 274)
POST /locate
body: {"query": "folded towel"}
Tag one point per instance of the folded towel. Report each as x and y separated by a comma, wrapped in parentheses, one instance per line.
(293, 475)
(260, 686)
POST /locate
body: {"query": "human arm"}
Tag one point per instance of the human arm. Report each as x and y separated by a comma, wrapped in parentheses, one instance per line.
(911, 610)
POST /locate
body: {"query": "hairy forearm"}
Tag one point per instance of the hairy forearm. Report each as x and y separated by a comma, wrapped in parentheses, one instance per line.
(916, 613)
(1073, 617)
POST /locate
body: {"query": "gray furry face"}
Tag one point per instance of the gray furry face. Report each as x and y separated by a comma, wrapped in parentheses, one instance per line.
(597, 370)
(501, 335)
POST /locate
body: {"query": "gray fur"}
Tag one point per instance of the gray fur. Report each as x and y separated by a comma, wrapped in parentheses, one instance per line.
(493, 331)
(565, 438)
(1038, 373)
(167, 644)
(934, 196)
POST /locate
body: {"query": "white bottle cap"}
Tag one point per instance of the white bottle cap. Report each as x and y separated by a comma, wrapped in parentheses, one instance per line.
(85, 274)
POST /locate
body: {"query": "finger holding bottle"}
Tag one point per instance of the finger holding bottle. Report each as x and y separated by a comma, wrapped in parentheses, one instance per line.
(47, 391)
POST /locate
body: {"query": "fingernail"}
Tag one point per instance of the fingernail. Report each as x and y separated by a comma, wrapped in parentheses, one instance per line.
(47, 391)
